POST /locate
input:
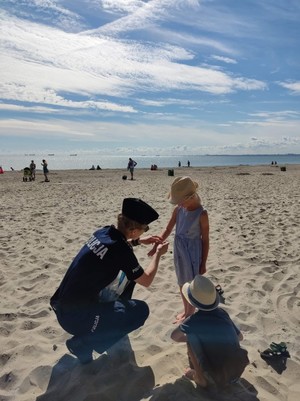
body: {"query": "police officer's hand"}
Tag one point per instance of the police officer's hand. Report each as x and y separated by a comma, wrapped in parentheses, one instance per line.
(151, 239)
(153, 250)
(162, 248)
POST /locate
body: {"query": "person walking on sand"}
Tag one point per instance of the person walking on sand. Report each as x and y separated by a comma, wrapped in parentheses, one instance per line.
(45, 170)
(32, 167)
(213, 340)
(191, 241)
(93, 301)
(130, 167)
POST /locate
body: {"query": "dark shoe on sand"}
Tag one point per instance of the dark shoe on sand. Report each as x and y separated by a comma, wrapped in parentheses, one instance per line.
(220, 291)
(275, 351)
(80, 350)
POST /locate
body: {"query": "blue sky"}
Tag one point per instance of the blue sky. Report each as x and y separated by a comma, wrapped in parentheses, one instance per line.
(148, 77)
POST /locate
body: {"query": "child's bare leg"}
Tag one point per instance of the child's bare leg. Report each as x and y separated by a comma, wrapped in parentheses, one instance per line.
(181, 315)
(188, 309)
(197, 373)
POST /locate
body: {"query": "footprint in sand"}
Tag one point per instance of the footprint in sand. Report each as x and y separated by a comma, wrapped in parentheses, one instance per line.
(288, 308)
(29, 325)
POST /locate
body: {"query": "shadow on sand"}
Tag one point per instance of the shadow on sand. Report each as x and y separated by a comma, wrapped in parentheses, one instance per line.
(184, 389)
(278, 364)
(113, 376)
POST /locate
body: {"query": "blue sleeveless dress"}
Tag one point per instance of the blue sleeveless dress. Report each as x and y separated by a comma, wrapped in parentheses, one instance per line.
(187, 244)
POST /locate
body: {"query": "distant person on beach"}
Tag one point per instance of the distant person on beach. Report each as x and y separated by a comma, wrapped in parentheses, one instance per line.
(32, 167)
(188, 163)
(1, 170)
(191, 240)
(131, 165)
(45, 170)
(213, 340)
(93, 301)
(179, 164)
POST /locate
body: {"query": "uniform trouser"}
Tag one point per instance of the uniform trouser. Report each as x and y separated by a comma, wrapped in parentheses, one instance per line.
(103, 324)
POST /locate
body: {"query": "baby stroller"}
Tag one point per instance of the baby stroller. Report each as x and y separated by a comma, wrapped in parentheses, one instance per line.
(27, 174)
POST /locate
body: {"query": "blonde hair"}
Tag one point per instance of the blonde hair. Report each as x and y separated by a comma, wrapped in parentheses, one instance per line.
(197, 196)
(125, 224)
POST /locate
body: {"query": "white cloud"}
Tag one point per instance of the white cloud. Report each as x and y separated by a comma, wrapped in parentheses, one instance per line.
(48, 12)
(278, 115)
(123, 6)
(224, 59)
(138, 67)
(294, 87)
(47, 64)
(188, 40)
(81, 107)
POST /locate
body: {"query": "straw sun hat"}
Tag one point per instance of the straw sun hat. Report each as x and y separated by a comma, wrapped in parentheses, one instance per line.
(182, 188)
(201, 293)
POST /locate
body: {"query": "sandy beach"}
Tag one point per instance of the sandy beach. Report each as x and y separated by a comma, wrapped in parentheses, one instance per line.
(254, 255)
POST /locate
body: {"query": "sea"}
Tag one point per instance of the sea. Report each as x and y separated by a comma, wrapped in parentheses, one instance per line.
(84, 161)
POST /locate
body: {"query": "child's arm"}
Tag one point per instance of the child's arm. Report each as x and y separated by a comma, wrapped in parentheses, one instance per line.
(149, 239)
(204, 225)
(166, 232)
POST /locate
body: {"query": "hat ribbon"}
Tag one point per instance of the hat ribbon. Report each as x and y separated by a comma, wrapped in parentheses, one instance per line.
(197, 303)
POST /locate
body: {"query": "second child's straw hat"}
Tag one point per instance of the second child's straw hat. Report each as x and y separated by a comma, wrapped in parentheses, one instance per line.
(181, 189)
(201, 293)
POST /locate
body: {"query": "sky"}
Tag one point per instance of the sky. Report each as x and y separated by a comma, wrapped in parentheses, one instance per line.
(150, 76)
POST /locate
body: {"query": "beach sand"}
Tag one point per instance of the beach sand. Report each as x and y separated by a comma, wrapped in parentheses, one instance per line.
(254, 255)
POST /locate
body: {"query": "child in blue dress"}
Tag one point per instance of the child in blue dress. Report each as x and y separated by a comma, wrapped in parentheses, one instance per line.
(191, 241)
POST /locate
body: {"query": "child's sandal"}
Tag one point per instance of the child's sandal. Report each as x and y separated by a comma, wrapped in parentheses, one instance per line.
(275, 351)
(219, 289)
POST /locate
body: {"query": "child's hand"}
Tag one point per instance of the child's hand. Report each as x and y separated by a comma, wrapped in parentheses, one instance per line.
(153, 250)
(162, 248)
(151, 239)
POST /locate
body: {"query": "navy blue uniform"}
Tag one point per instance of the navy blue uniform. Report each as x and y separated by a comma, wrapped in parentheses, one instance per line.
(81, 303)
